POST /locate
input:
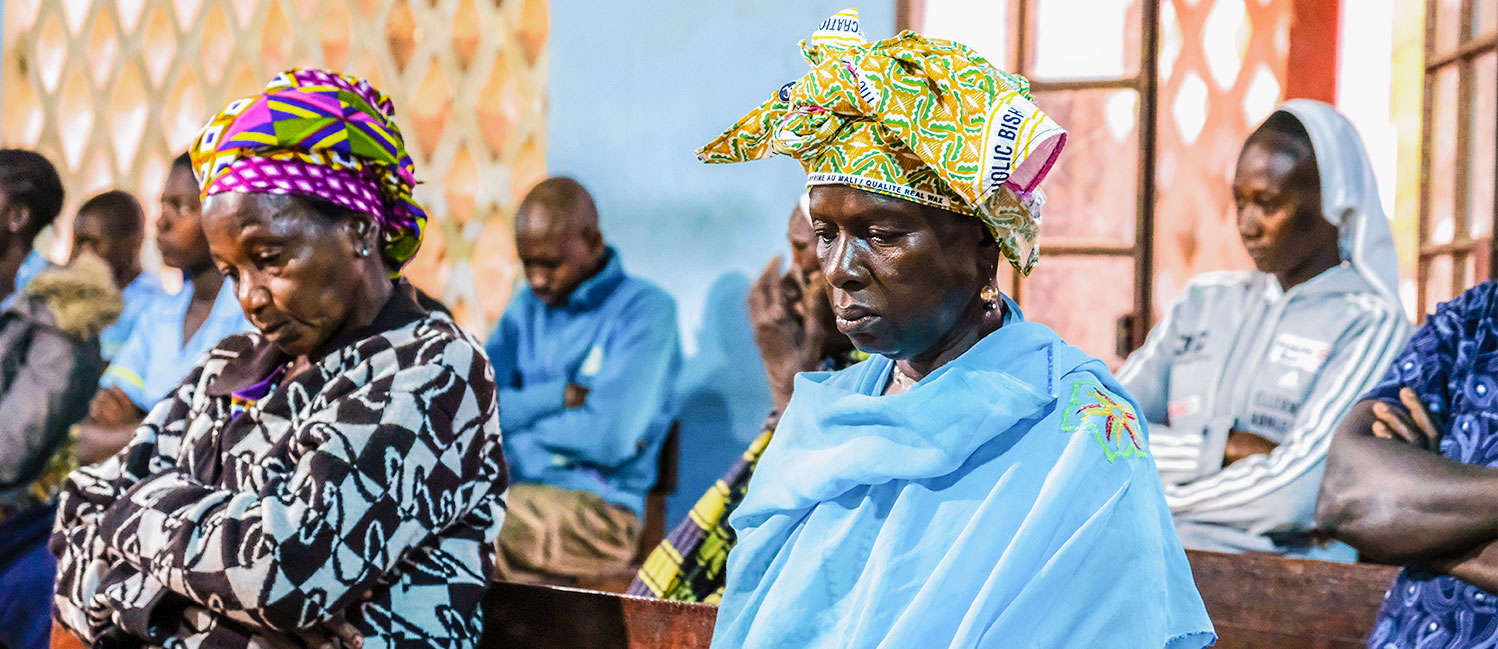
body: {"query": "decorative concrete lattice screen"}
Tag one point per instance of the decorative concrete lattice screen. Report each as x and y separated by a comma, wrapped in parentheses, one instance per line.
(1222, 71)
(112, 91)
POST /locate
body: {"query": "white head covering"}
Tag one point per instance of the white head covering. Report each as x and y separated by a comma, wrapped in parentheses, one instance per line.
(1349, 195)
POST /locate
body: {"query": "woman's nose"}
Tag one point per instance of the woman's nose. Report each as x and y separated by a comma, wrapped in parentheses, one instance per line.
(253, 296)
(843, 265)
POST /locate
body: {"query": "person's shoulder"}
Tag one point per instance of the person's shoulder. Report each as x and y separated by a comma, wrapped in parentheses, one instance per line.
(1095, 410)
(1474, 304)
(79, 299)
(434, 339)
(643, 296)
(1219, 281)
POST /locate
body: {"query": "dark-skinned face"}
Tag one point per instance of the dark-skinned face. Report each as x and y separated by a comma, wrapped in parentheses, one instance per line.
(295, 270)
(97, 232)
(1278, 197)
(803, 246)
(179, 230)
(904, 277)
(557, 259)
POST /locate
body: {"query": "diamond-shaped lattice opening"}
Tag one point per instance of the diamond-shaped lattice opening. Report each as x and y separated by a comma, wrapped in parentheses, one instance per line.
(216, 51)
(306, 10)
(24, 116)
(460, 186)
(334, 35)
(1262, 94)
(97, 175)
(158, 46)
(126, 117)
(244, 12)
(499, 106)
(187, 12)
(528, 169)
(20, 16)
(1190, 107)
(534, 24)
(103, 45)
(51, 51)
(465, 32)
(1223, 42)
(368, 68)
(429, 116)
(75, 11)
(1170, 39)
(185, 111)
(400, 34)
(243, 83)
(75, 112)
(494, 261)
(275, 39)
(129, 13)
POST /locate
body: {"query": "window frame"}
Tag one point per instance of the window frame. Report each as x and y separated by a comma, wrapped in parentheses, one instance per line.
(1462, 57)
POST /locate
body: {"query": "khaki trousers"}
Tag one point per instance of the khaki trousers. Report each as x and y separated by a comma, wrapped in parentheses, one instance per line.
(556, 535)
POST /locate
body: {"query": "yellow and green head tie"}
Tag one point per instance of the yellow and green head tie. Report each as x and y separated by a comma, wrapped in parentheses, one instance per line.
(925, 120)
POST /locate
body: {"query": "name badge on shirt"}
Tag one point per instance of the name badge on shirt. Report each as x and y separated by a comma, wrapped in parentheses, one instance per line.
(1299, 352)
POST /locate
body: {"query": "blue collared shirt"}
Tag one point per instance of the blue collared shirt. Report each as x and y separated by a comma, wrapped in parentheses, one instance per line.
(615, 336)
(33, 264)
(154, 359)
(142, 292)
(1448, 363)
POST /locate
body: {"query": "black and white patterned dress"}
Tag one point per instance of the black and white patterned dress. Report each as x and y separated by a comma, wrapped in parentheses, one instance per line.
(355, 506)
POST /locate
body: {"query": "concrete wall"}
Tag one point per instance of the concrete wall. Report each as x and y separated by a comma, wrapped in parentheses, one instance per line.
(635, 88)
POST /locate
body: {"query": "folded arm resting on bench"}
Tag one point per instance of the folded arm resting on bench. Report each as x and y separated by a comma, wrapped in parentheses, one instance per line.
(1394, 501)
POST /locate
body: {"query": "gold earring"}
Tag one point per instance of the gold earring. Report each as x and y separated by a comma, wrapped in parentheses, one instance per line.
(990, 296)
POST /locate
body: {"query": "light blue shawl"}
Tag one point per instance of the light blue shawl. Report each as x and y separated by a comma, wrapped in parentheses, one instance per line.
(991, 505)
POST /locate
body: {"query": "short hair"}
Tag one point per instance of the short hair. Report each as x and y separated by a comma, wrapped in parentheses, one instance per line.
(122, 207)
(29, 179)
(1287, 127)
(565, 201)
(183, 161)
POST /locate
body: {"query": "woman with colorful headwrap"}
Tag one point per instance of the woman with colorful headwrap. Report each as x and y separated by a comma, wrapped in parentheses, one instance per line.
(978, 482)
(334, 479)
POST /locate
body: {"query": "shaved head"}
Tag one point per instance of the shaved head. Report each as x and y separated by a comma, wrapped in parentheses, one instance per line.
(557, 238)
(557, 205)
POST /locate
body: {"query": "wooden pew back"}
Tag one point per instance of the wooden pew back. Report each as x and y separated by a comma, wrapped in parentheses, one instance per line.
(1256, 602)
(1263, 601)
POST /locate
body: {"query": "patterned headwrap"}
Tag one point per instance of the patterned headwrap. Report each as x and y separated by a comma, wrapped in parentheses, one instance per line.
(925, 120)
(321, 134)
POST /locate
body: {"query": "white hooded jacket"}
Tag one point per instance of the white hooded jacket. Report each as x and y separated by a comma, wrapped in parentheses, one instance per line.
(1237, 352)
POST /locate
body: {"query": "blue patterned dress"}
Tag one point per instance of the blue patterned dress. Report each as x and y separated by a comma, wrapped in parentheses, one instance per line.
(1452, 364)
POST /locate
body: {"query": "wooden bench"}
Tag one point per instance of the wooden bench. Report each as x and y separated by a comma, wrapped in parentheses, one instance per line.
(1256, 602)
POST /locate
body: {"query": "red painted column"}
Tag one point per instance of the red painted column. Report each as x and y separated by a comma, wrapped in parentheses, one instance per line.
(1312, 69)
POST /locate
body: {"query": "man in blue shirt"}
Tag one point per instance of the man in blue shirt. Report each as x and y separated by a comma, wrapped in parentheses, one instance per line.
(171, 333)
(1412, 478)
(585, 357)
(30, 198)
(113, 226)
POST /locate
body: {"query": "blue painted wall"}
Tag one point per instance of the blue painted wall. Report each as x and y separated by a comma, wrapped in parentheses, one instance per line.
(635, 88)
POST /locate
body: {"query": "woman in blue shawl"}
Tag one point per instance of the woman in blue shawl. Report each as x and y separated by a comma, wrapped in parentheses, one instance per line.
(978, 482)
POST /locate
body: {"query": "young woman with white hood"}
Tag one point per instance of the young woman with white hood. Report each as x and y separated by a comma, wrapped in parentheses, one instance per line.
(1245, 379)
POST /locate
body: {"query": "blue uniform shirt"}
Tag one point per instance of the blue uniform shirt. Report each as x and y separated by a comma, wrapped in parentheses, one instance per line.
(33, 263)
(1450, 364)
(142, 292)
(154, 359)
(615, 336)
